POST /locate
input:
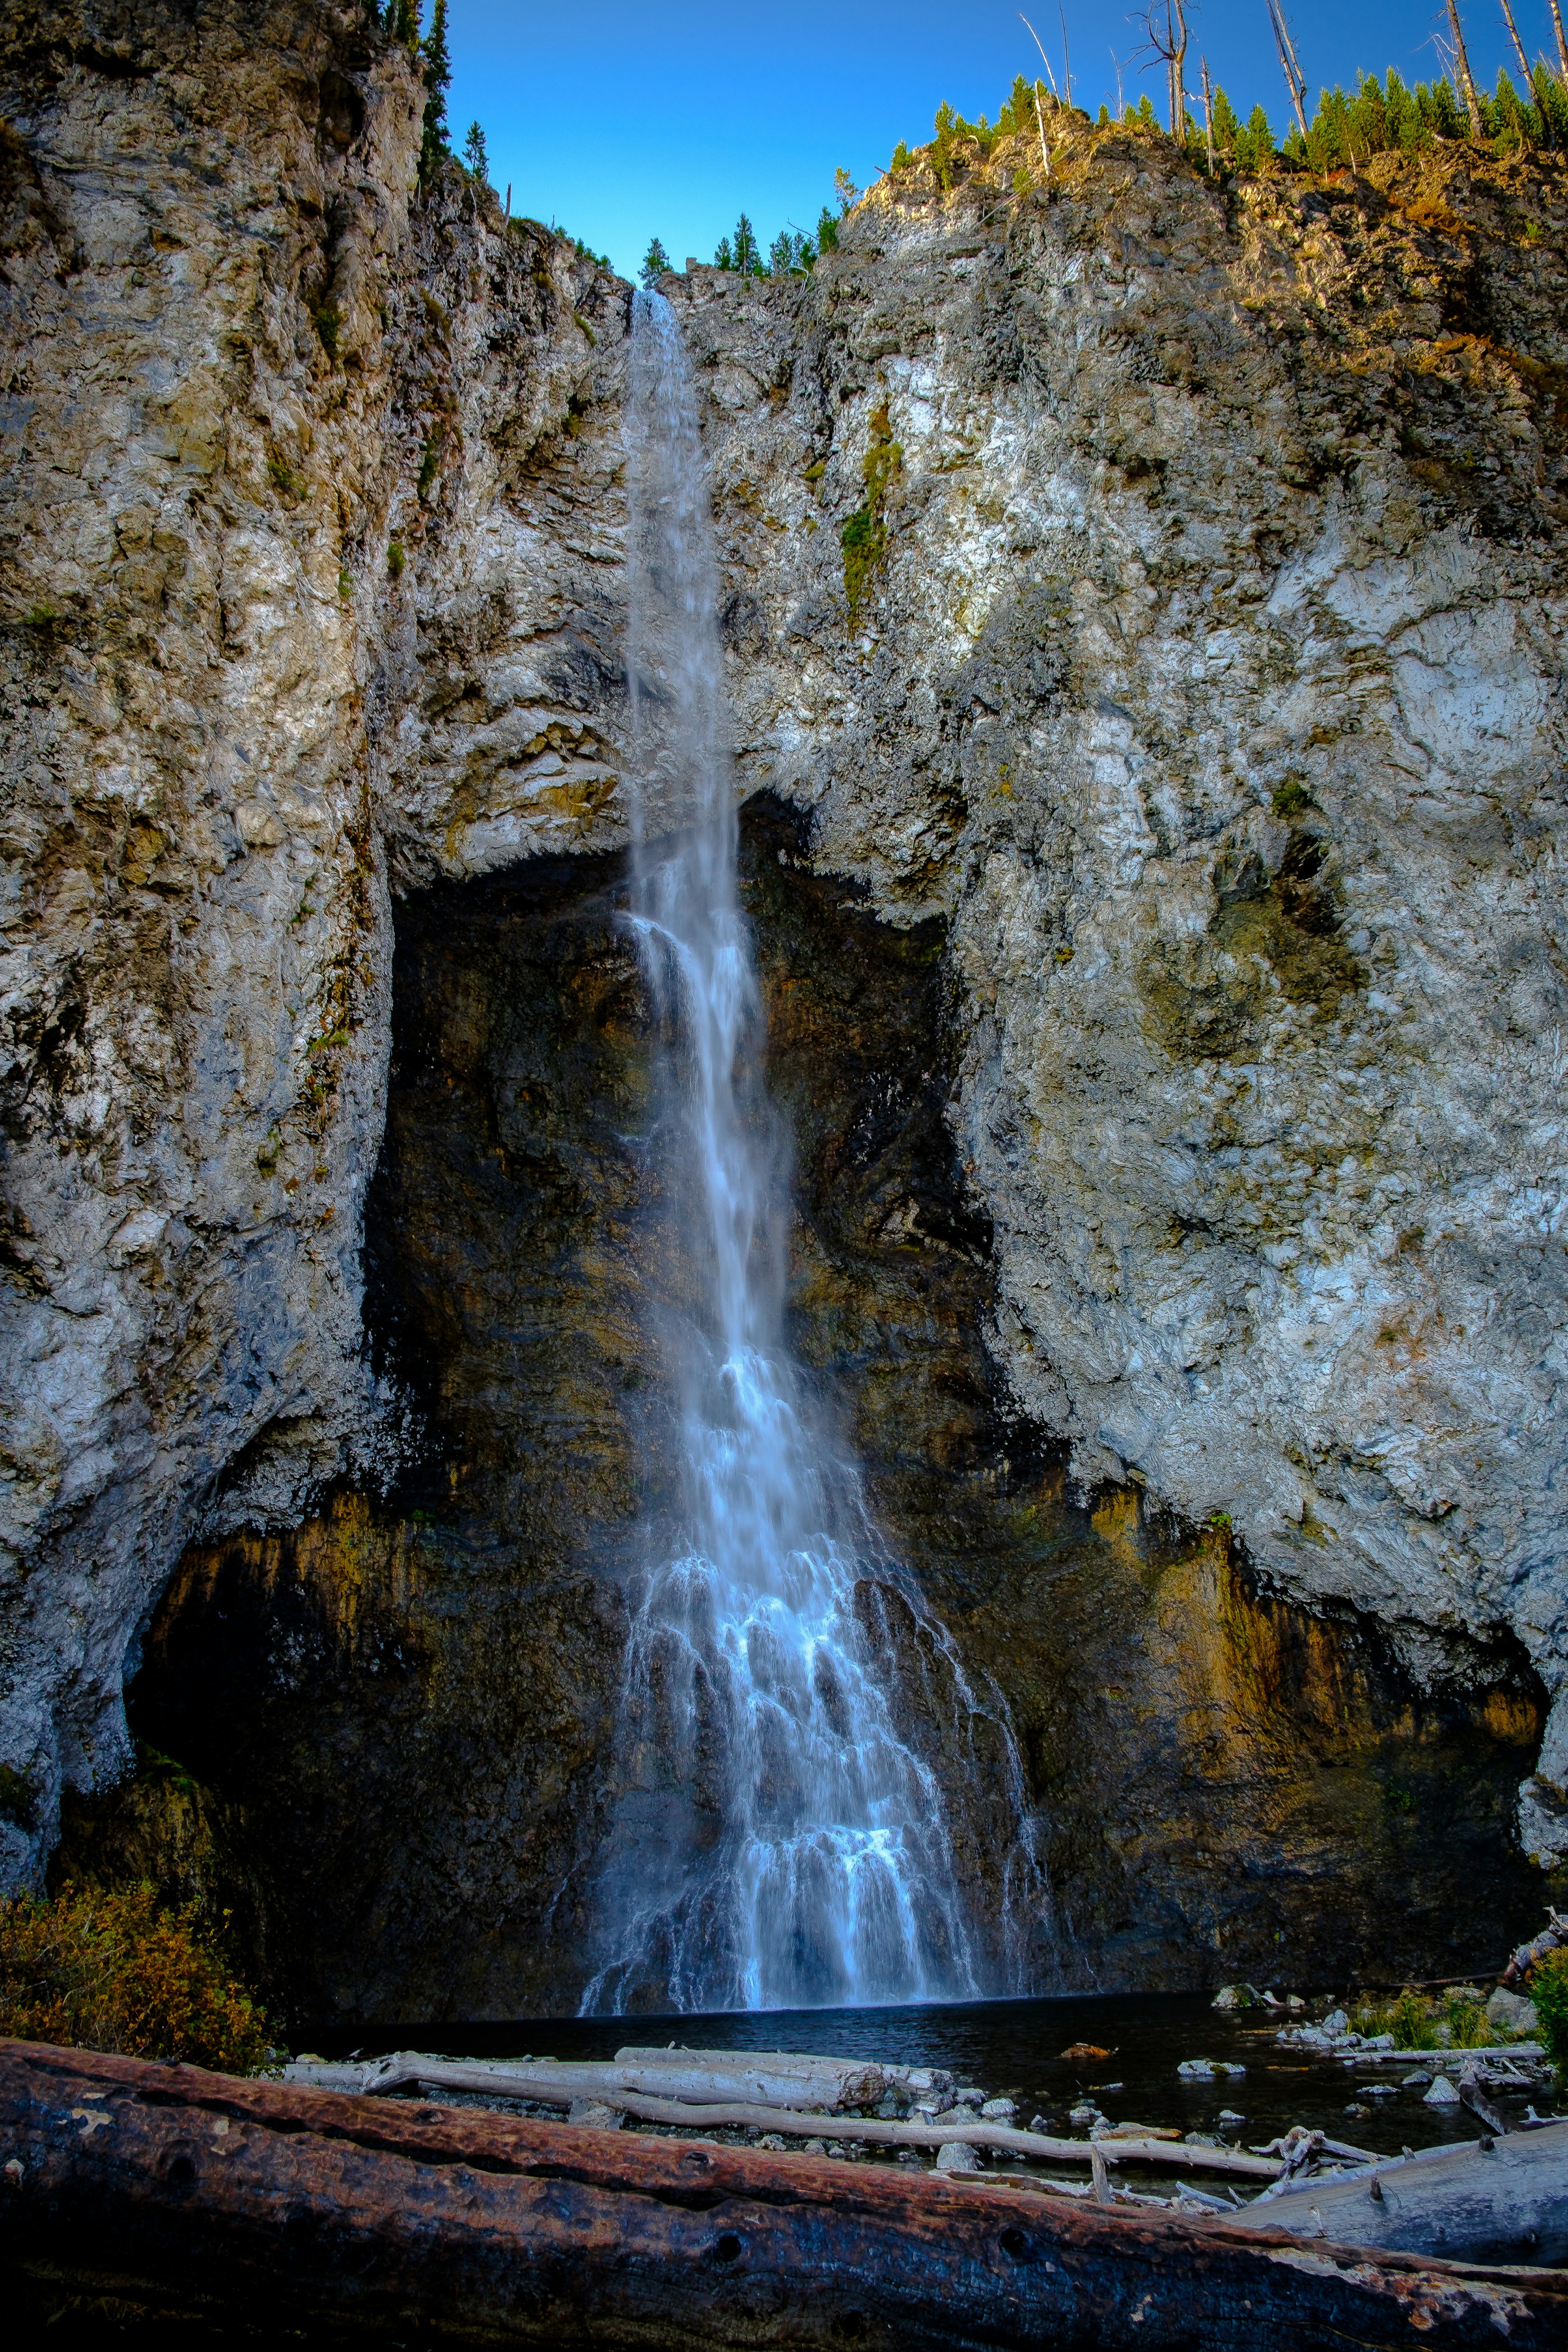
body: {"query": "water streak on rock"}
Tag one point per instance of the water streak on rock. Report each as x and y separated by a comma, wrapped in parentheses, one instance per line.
(778, 1842)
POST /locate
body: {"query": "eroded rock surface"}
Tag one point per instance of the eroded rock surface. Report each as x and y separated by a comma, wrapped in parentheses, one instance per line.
(1197, 721)
(292, 463)
(1209, 682)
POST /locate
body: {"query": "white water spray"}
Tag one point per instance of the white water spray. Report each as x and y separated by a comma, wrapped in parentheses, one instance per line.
(776, 1842)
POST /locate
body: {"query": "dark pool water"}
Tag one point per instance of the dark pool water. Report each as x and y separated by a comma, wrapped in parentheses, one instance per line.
(1015, 2046)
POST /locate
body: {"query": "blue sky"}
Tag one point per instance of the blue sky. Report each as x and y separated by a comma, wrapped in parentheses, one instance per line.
(621, 122)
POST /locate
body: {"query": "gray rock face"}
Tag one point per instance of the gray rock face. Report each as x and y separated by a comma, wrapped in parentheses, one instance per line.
(1204, 673)
(1228, 741)
(292, 588)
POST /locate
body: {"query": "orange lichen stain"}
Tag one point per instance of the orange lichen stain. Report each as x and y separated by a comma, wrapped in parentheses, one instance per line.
(349, 1559)
(1510, 1717)
(1116, 1521)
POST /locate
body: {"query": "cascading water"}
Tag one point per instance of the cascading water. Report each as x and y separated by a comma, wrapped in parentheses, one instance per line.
(775, 1843)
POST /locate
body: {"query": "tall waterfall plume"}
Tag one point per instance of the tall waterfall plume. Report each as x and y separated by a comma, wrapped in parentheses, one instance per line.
(776, 1842)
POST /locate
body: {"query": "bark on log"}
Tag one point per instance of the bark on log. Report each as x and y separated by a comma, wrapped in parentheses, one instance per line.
(285, 2205)
(1554, 1935)
(1505, 2204)
(768, 2078)
(765, 2078)
(459, 2074)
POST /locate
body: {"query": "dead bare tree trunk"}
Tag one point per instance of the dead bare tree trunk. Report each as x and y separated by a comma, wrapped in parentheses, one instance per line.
(1039, 109)
(1518, 43)
(1462, 68)
(1290, 66)
(1166, 27)
(1561, 42)
(1208, 117)
(1178, 70)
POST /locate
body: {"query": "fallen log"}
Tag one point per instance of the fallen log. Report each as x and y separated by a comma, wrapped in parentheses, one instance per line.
(459, 2074)
(768, 2078)
(772, 2079)
(1487, 2202)
(199, 2194)
(1554, 1935)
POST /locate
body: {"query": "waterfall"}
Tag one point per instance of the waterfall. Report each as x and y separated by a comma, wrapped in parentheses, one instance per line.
(775, 1841)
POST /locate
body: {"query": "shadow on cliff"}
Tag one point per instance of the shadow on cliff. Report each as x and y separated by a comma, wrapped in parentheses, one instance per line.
(395, 1724)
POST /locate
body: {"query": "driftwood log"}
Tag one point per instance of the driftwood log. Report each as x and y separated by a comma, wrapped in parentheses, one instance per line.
(759, 2078)
(511, 2083)
(1552, 1937)
(284, 2206)
(1499, 2201)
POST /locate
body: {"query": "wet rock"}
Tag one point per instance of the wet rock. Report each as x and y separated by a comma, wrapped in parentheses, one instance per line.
(1336, 2026)
(958, 2157)
(1415, 2081)
(1000, 2110)
(1236, 1996)
(1196, 2070)
(1443, 2093)
(1513, 2013)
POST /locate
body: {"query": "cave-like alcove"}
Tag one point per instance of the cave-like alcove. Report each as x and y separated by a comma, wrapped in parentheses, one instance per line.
(387, 1737)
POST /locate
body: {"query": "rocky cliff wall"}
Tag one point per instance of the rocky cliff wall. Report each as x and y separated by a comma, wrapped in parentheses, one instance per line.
(302, 551)
(1207, 678)
(1196, 666)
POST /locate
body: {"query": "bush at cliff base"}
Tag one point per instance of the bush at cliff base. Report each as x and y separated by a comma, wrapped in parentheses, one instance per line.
(1549, 1991)
(116, 1972)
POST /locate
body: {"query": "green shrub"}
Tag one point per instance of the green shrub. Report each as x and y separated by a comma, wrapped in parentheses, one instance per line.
(1410, 2025)
(326, 318)
(1468, 2020)
(92, 1971)
(395, 558)
(1549, 1991)
(864, 537)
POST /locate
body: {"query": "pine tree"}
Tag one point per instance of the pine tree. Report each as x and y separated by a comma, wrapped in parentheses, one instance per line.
(433, 144)
(402, 22)
(474, 156)
(723, 258)
(826, 231)
(1226, 123)
(748, 257)
(655, 262)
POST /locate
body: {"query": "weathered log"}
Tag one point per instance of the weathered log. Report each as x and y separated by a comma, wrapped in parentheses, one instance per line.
(1473, 2092)
(767, 2078)
(1506, 2202)
(771, 2079)
(1550, 1938)
(193, 2191)
(461, 2074)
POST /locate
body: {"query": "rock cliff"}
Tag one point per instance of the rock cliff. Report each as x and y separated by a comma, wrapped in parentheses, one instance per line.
(1145, 632)
(287, 456)
(1209, 684)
